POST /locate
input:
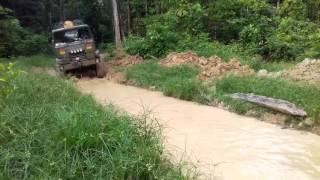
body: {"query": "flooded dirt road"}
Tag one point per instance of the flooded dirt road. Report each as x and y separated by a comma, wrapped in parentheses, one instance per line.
(221, 144)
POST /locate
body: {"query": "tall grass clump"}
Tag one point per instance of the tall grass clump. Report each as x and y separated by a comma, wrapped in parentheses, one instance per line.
(49, 130)
(179, 81)
(303, 95)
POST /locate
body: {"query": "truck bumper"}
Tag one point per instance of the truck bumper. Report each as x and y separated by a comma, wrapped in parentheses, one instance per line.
(78, 64)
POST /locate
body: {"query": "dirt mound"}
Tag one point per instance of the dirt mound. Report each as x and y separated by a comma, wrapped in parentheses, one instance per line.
(308, 71)
(123, 62)
(211, 68)
(112, 74)
(175, 59)
(126, 61)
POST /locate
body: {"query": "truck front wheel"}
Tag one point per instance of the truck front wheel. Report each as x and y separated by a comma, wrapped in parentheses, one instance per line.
(101, 73)
(61, 71)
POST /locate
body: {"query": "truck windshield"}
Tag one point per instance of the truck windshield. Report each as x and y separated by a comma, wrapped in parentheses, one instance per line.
(72, 35)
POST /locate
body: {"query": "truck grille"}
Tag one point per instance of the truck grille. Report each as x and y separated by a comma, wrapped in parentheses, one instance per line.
(78, 55)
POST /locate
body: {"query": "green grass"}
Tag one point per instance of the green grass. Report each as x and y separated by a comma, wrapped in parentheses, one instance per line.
(275, 66)
(26, 63)
(179, 82)
(49, 130)
(304, 96)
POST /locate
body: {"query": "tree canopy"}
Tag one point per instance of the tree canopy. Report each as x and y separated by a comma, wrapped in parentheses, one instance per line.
(275, 29)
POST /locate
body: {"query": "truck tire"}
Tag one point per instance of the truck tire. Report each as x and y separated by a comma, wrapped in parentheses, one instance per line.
(101, 73)
(61, 72)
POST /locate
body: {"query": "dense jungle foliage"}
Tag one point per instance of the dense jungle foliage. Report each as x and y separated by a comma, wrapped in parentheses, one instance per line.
(272, 29)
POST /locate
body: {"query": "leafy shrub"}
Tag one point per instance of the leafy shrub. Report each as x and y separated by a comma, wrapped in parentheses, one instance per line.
(291, 39)
(313, 51)
(15, 40)
(160, 39)
(135, 45)
(284, 33)
(159, 42)
(9, 32)
(7, 79)
(109, 49)
(31, 44)
(251, 34)
(189, 17)
(190, 42)
(296, 9)
(233, 19)
(168, 32)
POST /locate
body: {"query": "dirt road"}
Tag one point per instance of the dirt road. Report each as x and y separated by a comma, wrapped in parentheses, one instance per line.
(241, 147)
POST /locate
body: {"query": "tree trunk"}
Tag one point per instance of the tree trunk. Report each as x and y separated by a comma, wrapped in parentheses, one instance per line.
(274, 104)
(47, 20)
(146, 8)
(61, 4)
(278, 4)
(129, 17)
(121, 28)
(116, 24)
(50, 15)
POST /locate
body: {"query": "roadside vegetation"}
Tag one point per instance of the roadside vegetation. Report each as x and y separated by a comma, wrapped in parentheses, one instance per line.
(181, 82)
(286, 31)
(303, 95)
(271, 36)
(226, 52)
(50, 130)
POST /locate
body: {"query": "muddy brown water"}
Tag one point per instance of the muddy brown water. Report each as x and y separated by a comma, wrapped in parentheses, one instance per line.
(221, 144)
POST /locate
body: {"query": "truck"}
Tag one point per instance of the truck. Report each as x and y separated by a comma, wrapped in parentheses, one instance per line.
(75, 47)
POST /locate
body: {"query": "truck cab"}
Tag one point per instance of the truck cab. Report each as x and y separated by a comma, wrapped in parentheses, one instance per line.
(75, 47)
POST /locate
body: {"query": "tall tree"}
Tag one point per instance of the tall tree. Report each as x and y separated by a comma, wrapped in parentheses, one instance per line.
(116, 23)
(129, 17)
(62, 16)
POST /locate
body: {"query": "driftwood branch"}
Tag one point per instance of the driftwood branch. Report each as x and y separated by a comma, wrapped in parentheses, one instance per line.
(274, 104)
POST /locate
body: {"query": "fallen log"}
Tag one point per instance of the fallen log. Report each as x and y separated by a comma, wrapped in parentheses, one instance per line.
(274, 104)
